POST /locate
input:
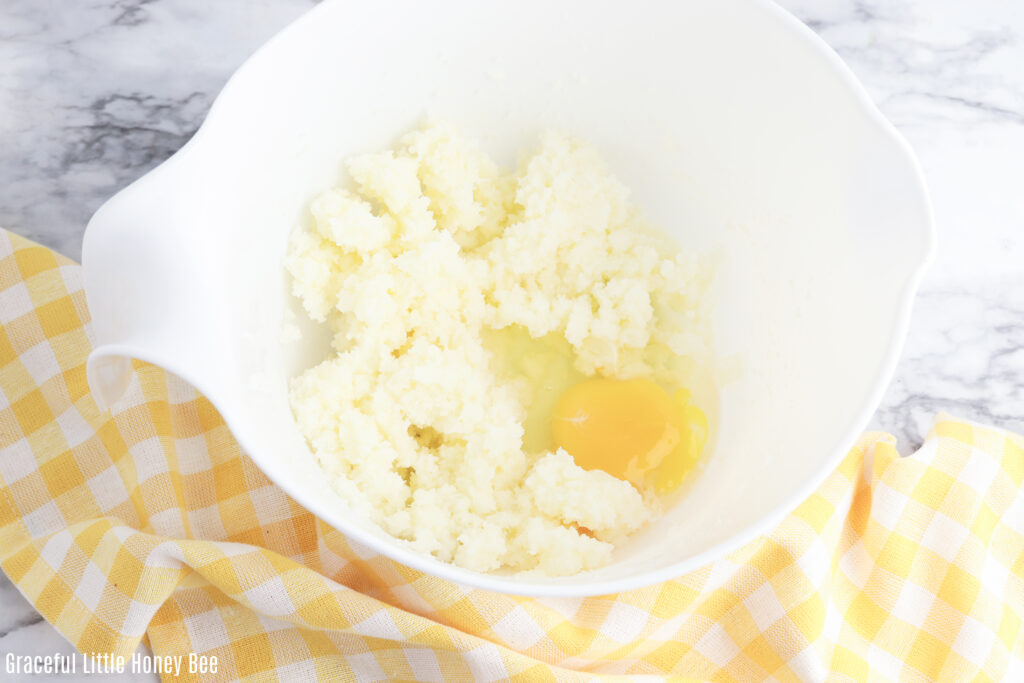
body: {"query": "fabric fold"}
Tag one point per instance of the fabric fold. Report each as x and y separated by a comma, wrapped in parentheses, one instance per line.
(149, 522)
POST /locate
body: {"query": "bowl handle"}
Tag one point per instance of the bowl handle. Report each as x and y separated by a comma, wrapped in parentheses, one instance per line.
(151, 286)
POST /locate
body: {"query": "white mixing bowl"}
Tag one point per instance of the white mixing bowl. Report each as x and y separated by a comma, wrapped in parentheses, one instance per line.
(738, 131)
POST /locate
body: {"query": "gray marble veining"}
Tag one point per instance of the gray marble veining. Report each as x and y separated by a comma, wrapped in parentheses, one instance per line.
(95, 93)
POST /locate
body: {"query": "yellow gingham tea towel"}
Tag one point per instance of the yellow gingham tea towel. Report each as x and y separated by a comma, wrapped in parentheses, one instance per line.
(149, 523)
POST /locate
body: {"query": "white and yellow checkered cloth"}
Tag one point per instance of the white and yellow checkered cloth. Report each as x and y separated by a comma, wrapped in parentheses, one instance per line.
(150, 524)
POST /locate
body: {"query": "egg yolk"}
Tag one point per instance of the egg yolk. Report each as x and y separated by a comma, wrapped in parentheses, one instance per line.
(631, 429)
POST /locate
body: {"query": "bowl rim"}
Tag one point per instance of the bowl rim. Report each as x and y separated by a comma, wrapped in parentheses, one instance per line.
(566, 587)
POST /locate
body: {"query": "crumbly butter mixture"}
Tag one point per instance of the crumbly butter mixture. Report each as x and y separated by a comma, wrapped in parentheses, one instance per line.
(421, 270)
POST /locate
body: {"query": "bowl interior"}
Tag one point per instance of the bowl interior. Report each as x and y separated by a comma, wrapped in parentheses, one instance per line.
(737, 132)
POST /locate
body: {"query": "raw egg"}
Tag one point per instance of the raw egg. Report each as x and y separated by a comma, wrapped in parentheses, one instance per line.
(631, 429)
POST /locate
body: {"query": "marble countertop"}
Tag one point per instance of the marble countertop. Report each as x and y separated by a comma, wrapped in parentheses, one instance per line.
(93, 95)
